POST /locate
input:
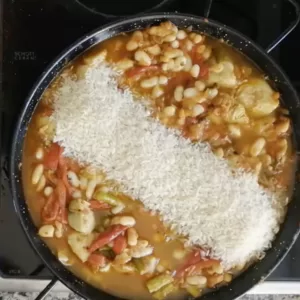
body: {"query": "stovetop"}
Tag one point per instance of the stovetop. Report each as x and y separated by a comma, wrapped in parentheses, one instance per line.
(34, 32)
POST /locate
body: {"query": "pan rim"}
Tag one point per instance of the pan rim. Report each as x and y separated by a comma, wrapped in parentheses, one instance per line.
(58, 63)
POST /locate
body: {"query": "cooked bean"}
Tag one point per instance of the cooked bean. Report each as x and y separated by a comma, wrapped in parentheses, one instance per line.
(122, 259)
(173, 53)
(90, 188)
(132, 45)
(72, 177)
(283, 126)
(214, 280)
(212, 93)
(200, 85)
(197, 38)
(48, 191)
(142, 58)
(137, 252)
(197, 110)
(117, 209)
(234, 130)
(170, 38)
(178, 93)
(189, 45)
(181, 35)
(125, 64)
(37, 174)
(257, 147)
(227, 277)
(219, 152)
(123, 220)
(200, 49)
(132, 237)
(168, 66)
(157, 92)
(46, 231)
(195, 70)
(83, 183)
(163, 80)
(41, 184)
(218, 269)
(39, 154)
(197, 280)
(142, 243)
(169, 111)
(190, 92)
(188, 64)
(63, 258)
(77, 194)
(59, 230)
(207, 53)
(149, 83)
(154, 50)
(179, 63)
(175, 44)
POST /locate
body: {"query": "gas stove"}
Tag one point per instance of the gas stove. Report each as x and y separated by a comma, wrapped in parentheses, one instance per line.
(34, 32)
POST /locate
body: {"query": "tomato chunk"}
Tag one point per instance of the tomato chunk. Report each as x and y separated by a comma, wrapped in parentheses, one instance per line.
(99, 205)
(97, 260)
(52, 157)
(106, 237)
(120, 243)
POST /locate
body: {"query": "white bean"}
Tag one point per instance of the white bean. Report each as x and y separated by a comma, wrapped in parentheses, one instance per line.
(234, 131)
(48, 191)
(212, 93)
(72, 177)
(196, 280)
(178, 93)
(142, 58)
(123, 220)
(41, 184)
(149, 83)
(179, 254)
(197, 38)
(59, 230)
(77, 194)
(142, 243)
(200, 85)
(83, 183)
(189, 45)
(125, 64)
(154, 50)
(46, 231)
(132, 237)
(90, 188)
(39, 154)
(122, 258)
(188, 64)
(257, 147)
(132, 45)
(195, 70)
(170, 38)
(117, 209)
(179, 63)
(190, 92)
(163, 80)
(181, 35)
(37, 174)
(175, 44)
(137, 252)
(169, 111)
(197, 110)
(173, 53)
(157, 92)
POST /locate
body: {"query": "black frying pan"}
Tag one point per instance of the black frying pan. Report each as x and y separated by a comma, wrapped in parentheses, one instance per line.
(290, 228)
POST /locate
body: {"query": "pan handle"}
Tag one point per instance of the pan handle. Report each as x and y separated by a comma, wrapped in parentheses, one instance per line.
(47, 289)
(288, 30)
(282, 36)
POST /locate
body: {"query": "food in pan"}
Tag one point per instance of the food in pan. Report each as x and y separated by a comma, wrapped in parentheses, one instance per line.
(158, 164)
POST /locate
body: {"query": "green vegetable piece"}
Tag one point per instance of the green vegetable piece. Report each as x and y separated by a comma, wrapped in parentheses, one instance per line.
(193, 290)
(139, 264)
(108, 253)
(156, 283)
(164, 291)
(107, 198)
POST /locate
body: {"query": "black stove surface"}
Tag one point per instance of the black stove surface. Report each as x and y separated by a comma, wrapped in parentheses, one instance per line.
(34, 32)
